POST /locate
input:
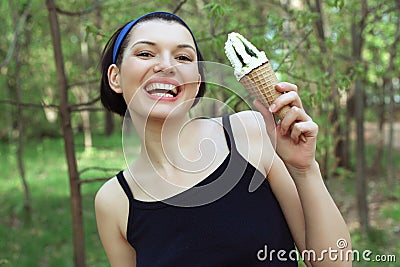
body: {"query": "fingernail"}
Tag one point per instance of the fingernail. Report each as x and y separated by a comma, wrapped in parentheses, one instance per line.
(272, 108)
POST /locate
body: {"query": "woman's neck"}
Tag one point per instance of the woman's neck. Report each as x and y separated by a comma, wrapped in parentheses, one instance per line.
(162, 140)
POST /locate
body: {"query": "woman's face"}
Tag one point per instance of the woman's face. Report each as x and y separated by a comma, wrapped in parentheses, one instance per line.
(159, 72)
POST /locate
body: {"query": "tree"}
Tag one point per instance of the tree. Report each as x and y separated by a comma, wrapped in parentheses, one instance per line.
(334, 50)
(69, 144)
(22, 16)
(357, 27)
(390, 81)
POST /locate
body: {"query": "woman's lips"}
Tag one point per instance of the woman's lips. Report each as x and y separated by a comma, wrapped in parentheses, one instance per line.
(162, 89)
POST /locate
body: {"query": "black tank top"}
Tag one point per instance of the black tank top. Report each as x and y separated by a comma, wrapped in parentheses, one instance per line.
(239, 228)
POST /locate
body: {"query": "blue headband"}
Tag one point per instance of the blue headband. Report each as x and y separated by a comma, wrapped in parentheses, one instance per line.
(125, 30)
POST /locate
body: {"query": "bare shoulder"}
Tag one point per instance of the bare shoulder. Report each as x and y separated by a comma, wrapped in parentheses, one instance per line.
(249, 120)
(112, 209)
(252, 140)
(111, 200)
(252, 121)
(109, 193)
(249, 125)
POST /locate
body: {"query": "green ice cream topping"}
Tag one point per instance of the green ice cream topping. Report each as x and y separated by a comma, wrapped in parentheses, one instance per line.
(248, 50)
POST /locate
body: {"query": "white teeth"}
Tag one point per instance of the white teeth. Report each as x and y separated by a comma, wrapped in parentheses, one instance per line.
(162, 86)
(162, 95)
(154, 89)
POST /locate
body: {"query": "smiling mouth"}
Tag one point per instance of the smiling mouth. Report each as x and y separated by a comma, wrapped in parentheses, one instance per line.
(162, 90)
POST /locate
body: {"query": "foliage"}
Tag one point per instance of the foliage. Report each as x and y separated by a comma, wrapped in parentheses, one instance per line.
(322, 65)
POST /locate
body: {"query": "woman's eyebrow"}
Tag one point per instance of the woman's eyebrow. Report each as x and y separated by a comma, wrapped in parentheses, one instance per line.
(154, 44)
(144, 42)
(187, 46)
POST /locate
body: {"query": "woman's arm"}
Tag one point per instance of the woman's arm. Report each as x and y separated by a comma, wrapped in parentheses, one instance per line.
(296, 180)
(112, 211)
(313, 218)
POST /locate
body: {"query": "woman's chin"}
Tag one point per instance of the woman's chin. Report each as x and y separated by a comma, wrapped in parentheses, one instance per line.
(161, 110)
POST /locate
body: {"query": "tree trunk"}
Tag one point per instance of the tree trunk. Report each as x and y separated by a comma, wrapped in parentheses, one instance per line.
(334, 114)
(360, 156)
(391, 71)
(20, 116)
(14, 90)
(346, 134)
(85, 114)
(391, 167)
(69, 146)
(377, 163)
(109, 123)
(361, 182)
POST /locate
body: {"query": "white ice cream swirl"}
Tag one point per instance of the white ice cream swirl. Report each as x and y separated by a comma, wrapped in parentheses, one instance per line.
(243, 55)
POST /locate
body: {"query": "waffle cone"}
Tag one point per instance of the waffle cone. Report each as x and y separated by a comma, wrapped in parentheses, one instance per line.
(261, 82)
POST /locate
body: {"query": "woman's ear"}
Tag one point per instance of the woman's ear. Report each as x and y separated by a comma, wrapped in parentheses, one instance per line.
(114, 78)
(198, 83)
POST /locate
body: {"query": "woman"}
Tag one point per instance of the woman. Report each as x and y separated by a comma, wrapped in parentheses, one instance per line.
(182, 203)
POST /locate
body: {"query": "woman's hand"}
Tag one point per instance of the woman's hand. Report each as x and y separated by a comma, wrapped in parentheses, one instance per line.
(285, 136)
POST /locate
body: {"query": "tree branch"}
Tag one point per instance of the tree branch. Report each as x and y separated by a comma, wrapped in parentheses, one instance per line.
(294, 48)
(181, 3)
(74, 107)
(86, 181)
(301, 78)
(82, 83)
(17, 31)
(97, 169)
(375, 18)
(226, 32)
(32, 105)
(87, 109)
(81, 12)
(89, 103)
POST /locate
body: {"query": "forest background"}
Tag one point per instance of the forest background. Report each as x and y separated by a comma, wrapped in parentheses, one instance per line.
(58, 145)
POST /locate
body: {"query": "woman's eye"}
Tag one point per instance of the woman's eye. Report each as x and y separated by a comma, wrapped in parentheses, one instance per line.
(184, 58)
(144, 54)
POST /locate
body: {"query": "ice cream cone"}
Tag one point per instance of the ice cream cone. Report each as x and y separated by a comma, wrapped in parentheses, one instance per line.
(261, 82)
(253, 70)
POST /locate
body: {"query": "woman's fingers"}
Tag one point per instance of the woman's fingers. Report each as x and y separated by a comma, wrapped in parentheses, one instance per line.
(286, 87)
(294, 115)
(288, 98)
(297, 124)
(302, 130)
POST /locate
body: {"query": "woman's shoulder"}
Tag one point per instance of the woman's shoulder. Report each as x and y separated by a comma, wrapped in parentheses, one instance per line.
(251, 138)
(110, 195)
(246, 125)
(249, 121)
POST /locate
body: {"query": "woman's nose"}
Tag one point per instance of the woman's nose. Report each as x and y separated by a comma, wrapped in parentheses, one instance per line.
(165, 64)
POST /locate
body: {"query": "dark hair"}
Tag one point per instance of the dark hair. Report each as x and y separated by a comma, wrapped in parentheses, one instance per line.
(115, 102)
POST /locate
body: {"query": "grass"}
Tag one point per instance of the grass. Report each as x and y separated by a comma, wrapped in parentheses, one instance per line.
(382, 239)
(45, 239)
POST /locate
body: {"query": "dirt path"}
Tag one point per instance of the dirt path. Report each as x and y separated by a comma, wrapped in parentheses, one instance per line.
(377, 185)
(372, 135)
